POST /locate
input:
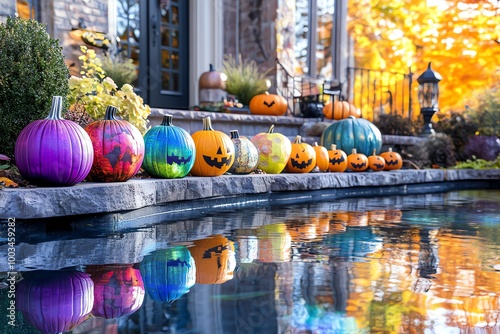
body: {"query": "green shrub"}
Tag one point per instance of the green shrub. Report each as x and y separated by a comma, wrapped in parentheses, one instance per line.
(32, 70)
(119, 68)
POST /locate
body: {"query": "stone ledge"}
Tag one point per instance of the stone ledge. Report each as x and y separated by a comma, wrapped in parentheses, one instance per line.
(91, 198)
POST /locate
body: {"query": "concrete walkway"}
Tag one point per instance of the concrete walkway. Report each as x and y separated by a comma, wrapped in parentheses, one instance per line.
(92, 198)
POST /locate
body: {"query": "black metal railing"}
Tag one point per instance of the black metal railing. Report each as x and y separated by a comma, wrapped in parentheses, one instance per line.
(378, 92)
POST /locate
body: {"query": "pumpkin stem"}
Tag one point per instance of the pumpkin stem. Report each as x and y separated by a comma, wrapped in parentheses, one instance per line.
(333, 147)
(167, 120)
(354, 151)
(207, 124)
(234, 134)
(271, 129)
(55, 109)
(111, 113)
(390, 149)
(315, 144)
(374, 151)
(298, 140)
(212, 69)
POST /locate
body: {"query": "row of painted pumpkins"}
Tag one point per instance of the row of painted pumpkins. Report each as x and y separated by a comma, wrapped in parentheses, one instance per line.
(55, 151)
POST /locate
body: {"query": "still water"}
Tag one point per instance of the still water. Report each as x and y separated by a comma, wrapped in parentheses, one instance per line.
(412, 264)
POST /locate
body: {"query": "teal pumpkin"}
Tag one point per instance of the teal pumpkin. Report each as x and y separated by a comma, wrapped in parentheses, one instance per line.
(353, 132)
(169, 150)
(246, 155)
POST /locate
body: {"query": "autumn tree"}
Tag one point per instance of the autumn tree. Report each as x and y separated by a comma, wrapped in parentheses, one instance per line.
(460, 37)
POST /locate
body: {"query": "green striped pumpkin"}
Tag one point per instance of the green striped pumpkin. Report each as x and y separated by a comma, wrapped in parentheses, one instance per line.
(353, 132)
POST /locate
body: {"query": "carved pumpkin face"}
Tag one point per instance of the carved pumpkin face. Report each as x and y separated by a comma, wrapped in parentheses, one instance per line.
(214, 151)
(215, 259)
(268, 104)
(392, 159)
(357, 162)
(376, 162)
(337, 159)
(321, 157)
(302, 159)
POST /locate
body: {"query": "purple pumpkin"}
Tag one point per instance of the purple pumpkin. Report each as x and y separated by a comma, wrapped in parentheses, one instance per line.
(54, 151)
(118, 290)
(55, 301)
(118, 148)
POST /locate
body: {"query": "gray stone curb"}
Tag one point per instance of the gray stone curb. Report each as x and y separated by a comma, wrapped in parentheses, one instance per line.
(92, 198)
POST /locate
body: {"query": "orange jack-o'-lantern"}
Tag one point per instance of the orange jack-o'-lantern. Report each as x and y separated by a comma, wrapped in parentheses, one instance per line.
(337, 159)
(392, 159)
(302, 159)
(357, 162)
(321, 157)
(214, 258)
(376, 162)
(268, 104)
(214, 151)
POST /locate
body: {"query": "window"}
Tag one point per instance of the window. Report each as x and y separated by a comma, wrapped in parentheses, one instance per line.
(28, 9)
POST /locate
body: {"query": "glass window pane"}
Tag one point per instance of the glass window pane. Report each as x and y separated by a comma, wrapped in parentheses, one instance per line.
(175, 82)
(165, 58)
(165, 81)
(175, 60)
(175, 38)
(324, 30)
(165, 36)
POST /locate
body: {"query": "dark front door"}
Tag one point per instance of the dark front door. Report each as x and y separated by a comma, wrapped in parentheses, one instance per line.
(155, 34)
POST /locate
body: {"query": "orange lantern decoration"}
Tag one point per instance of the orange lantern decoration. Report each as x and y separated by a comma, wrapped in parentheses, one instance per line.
(357, 162)
(392, 159)
(337, 159)
(215, 259)
(376, 162)
(302, 159)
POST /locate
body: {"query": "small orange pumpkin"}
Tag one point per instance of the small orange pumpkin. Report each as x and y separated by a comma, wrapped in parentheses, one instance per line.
(302, 159)
(340, 109)
(376, 162)
(337, 159)
(322, 159)
(214, 151)
(268, 104)
(392, 159)
(357, 162)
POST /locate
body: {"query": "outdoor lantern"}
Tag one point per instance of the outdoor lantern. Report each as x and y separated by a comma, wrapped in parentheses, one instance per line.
(428, 94)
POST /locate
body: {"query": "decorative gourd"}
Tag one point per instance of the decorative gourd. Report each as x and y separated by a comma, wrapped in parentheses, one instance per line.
(376, 162)
(54, 151)
(322, 159)
(55, 301)
(268, 104)
(340, 109)
(168, 273)
(169, 150)
(357, 162)
(337, 159)
(303, 157)
(215, 259)
(118, 148)
(214, 151)
(392, 159)
(246, 155)
(351, 133)
(118, 290)
(274, 151)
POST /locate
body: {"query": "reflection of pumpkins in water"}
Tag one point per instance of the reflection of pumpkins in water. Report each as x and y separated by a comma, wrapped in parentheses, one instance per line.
(358, 218)
(168, 273)
(274, 243)
(118, 290)
(215, 259)
(55, 301)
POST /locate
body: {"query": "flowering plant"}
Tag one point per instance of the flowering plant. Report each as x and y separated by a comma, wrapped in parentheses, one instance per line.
(95, 91)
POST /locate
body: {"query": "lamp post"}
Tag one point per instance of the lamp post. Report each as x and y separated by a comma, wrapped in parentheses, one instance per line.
(428, 94)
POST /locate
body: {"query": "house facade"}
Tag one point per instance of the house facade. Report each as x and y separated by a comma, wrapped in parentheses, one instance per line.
(172, 42)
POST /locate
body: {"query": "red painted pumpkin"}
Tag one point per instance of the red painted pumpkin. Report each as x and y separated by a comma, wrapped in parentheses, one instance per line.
(337, 159)
(376, 162)
(118, 290)
(214, 151)
(340, 109)
(322, 160)
(357, 162)
(118, 148)
(392, 159)
(268, 104)
(302, 159)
